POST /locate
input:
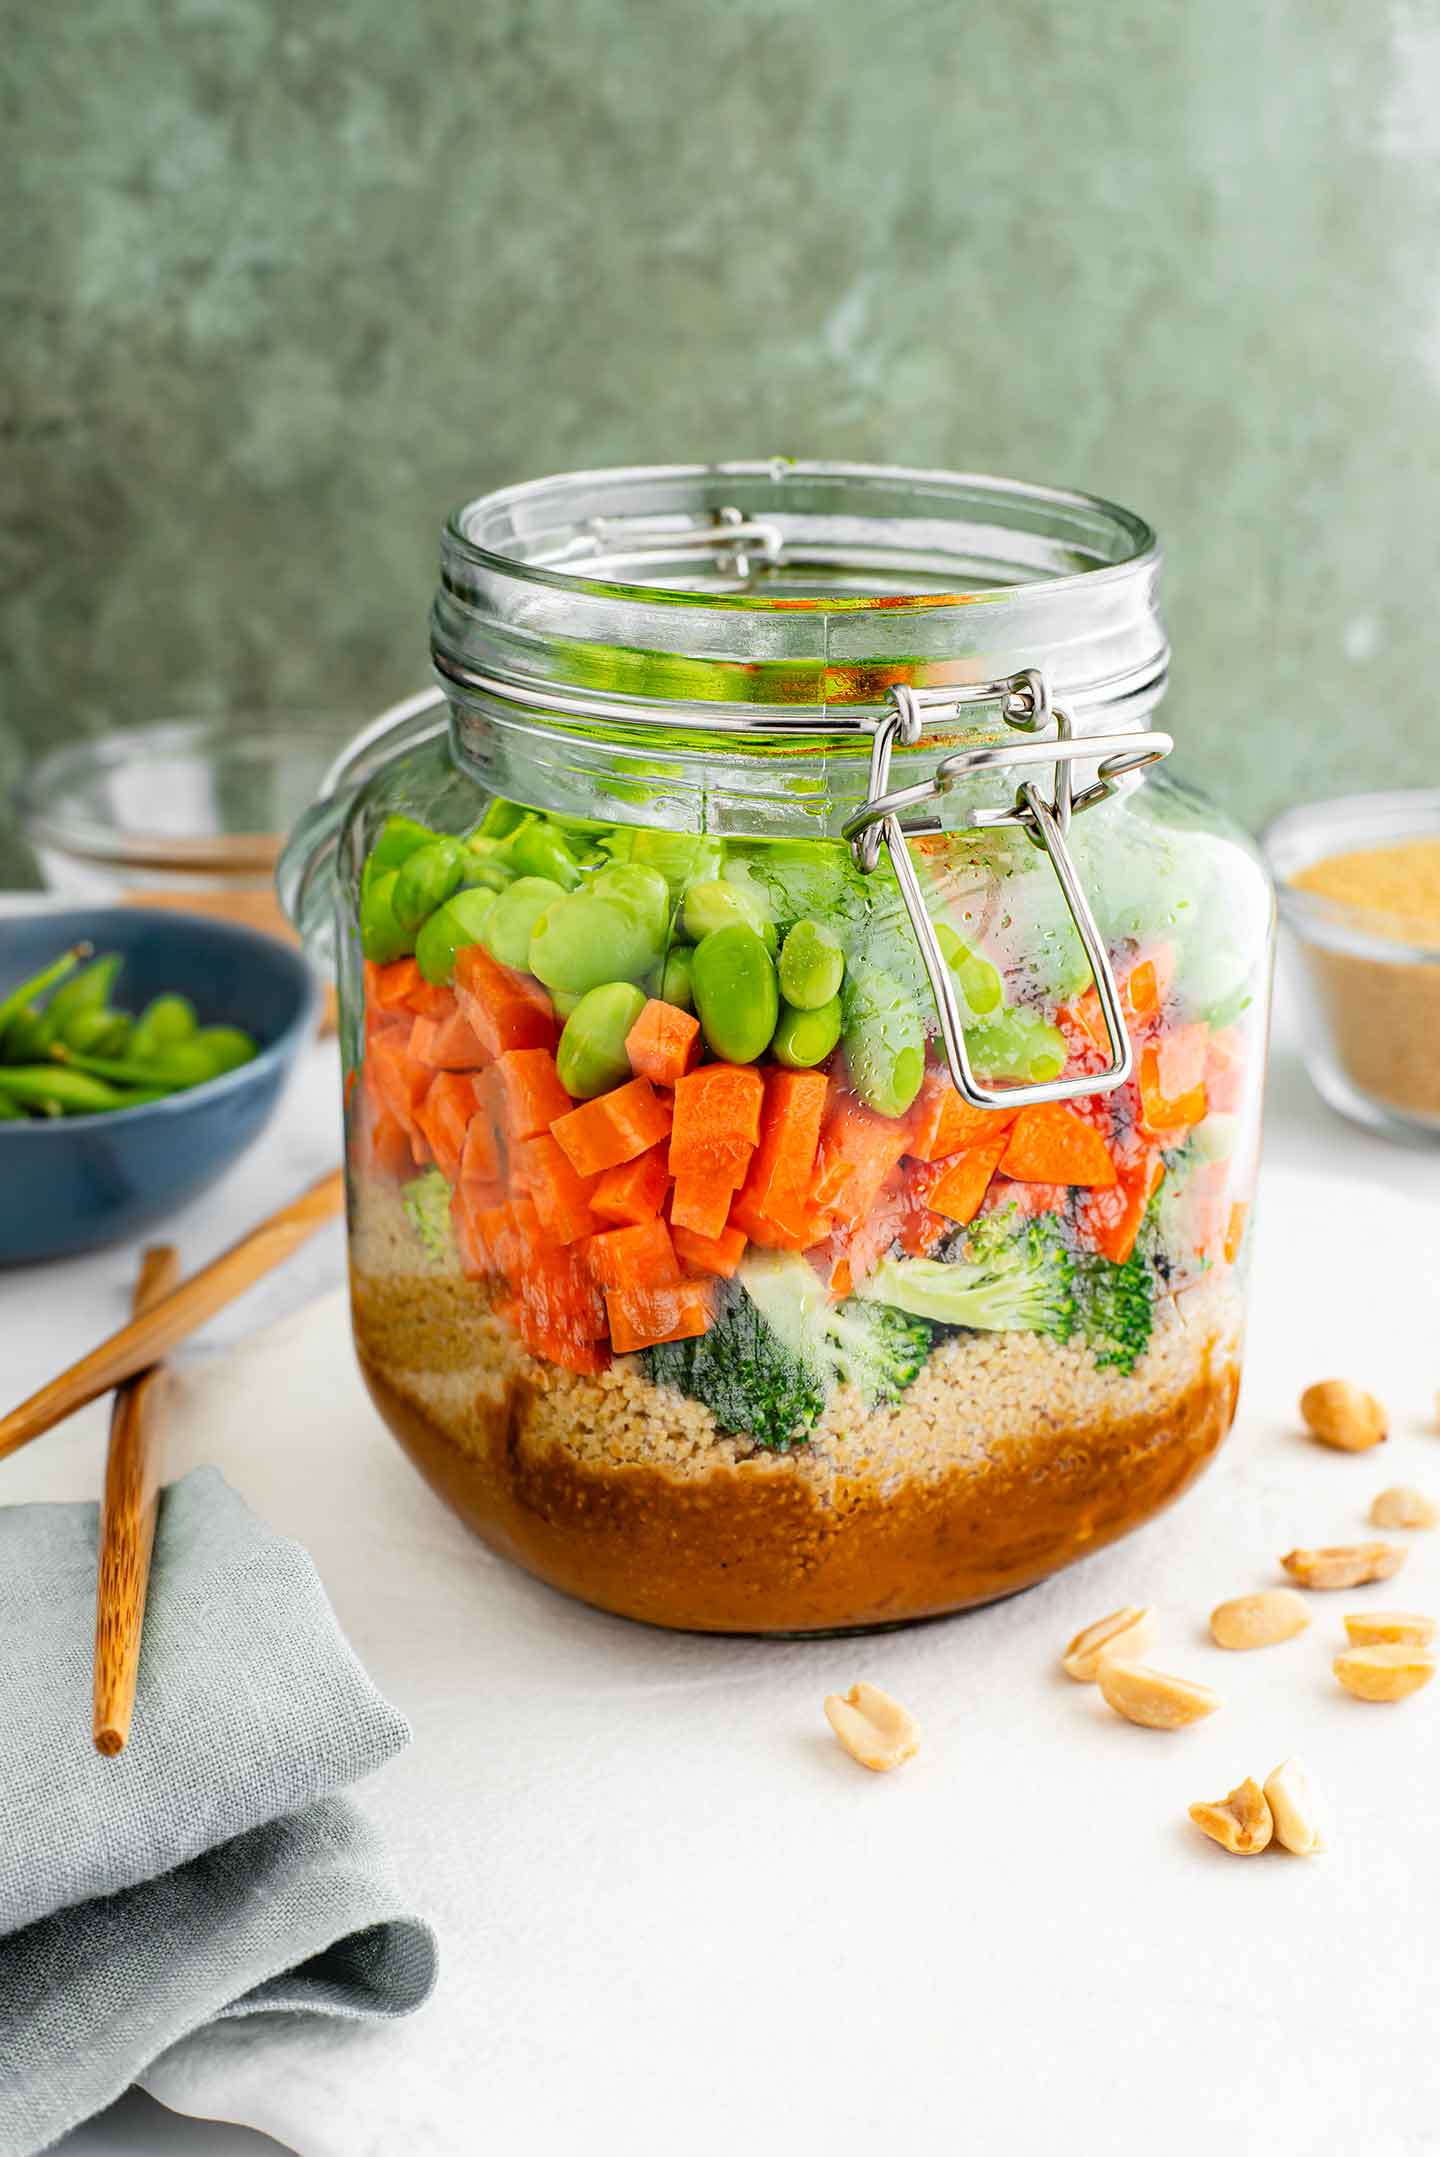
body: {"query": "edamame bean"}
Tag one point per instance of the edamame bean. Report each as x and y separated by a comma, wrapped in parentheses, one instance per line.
(538, 849)
(397, 840)
(681, 856)
(425, 880)
(165, 1022)
(459, 921)
(591, 1056)
(1017, 1044)
(501, 818)
(644, 890)
(978, 981)
(512, 918)
(593, 937)
(884, 1040)
(383, 936)
(812, 967)
(675, 986)
(805, 1038)
(715, 904)
(736, 998)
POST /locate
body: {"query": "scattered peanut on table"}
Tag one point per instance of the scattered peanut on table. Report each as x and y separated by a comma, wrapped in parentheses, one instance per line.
(1371, 1628)
(1124, 1633)
(1341, 1415)
(873, 1728)
(1241, 1823)
(1389, 1670)
(1344, 1565)
(1259, 1621)
(1151, 1697)
(1402, 1506)
(1297, 1827)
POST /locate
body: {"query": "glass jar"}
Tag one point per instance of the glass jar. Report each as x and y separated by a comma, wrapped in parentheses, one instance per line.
(802, 1082)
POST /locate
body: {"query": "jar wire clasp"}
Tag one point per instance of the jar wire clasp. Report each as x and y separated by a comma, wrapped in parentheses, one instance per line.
(1025, 706)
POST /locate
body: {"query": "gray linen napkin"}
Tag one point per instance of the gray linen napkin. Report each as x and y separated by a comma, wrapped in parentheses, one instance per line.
(212, 1868)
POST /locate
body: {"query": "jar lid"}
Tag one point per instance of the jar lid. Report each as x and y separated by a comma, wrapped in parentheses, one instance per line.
(781, 583)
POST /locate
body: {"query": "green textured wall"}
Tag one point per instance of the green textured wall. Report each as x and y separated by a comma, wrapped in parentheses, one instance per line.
(285, 279)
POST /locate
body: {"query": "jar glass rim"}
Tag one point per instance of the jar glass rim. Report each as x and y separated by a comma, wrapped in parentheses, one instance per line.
(1118, 541)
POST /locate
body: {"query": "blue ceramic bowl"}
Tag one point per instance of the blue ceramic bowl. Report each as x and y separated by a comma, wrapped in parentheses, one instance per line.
(73, 1182)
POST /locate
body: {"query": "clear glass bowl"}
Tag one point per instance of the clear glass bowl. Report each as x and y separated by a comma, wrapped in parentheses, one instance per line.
(1370, 977)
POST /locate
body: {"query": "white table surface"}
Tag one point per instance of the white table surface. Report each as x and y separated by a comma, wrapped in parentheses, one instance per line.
(48, 1315)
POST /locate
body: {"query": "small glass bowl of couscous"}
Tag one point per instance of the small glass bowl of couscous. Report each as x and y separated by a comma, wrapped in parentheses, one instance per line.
(1359, 885)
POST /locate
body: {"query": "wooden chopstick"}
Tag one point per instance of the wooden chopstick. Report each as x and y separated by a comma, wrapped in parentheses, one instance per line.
(153, 1333)
(127, 1524)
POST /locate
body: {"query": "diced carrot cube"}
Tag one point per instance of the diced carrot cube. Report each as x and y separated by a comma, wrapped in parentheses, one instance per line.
(1050, 1143)
(1172, 1079)
(506, 1010)
(641, 1317)
(527, 1092)
(480, 1156)
(642, 1256)
(663, 1043)
(858, 1151)
(448, 1043)
(941, 1123)
(635, 1190)
(955, 1187)
(717, 1122)
(701, 1204)
(710, 1254)
(1110, 1219)
(389, 1147)
(616, 1127)
(782, 1168)
(561, 1196)
(444, 1116)
(1225, 1070)
(400, 1081)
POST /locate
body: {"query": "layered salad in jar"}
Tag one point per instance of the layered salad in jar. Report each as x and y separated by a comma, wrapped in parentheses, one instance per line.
(689, 1279)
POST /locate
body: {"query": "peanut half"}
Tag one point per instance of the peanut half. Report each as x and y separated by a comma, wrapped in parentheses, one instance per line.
(1150, 1697)
(1344, 1565)
(1340, 1415)
(1259, 1621)
(1371, 1628)
(873, 1728)
(1391, 1670)
(1242, 1824)
(1124, 1633)
(1402, 1506)
(1292, 1809)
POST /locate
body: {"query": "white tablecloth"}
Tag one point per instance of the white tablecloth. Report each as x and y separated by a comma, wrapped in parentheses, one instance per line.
(674, 1917)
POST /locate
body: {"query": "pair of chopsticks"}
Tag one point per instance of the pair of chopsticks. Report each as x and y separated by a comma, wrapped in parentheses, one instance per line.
(166, 1312)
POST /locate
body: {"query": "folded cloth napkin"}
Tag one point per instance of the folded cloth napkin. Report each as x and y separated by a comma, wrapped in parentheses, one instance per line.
(210, 1869)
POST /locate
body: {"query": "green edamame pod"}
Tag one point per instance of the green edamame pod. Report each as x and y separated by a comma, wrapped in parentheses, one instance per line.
(25, 1039)
(978, 981)
(89, 990)
(98, 1030)
(458, 922)
(512, 918)
(590, 938)
(805, 1038)
(10, 1111)
(383, 936)
(591, 1056)
(884, 1037)
(716, 904)
(17, 999)
(425, 880)
(538, 849)
(1017, 1044)
(54, 1090)
(736, 998)
(184, 1063)
(396, 841)
(675, 985)
(812, 966)
(165, 1022)
(227, 1047)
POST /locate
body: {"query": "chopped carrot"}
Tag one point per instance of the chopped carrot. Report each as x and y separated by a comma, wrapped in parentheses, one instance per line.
(506, 1010)
(400, 988)
(638, 1257)
(1225, 1070)
(444, 1116)
(1208, 1196)
(480, 1156)
(920, 1227)
(710, 1254)
(478, 1224)
(717, 1122)
(881, 1226)
(941, 1122)
(1052, 1144)
(615, 1127)
(858, 1150)
(782, 1167)
(1235, 1231)
(774, 1234)
(639, 1317)
(400, 1081)
(512, 1235)
(1109, 1219)
(389, 1149)
(527, 1093)
(1172, 1079)
(1142, 994)
(663, 1043)
(561, 1195)
(635, 1190)
(701, 1204)
(447, 1044)
(956, 1187)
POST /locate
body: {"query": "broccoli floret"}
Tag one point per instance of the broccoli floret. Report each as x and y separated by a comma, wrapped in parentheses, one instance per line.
(1113, 1308)
(744, 1374)
(427, 1206)
(768, 1362)
(1012, 1277)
